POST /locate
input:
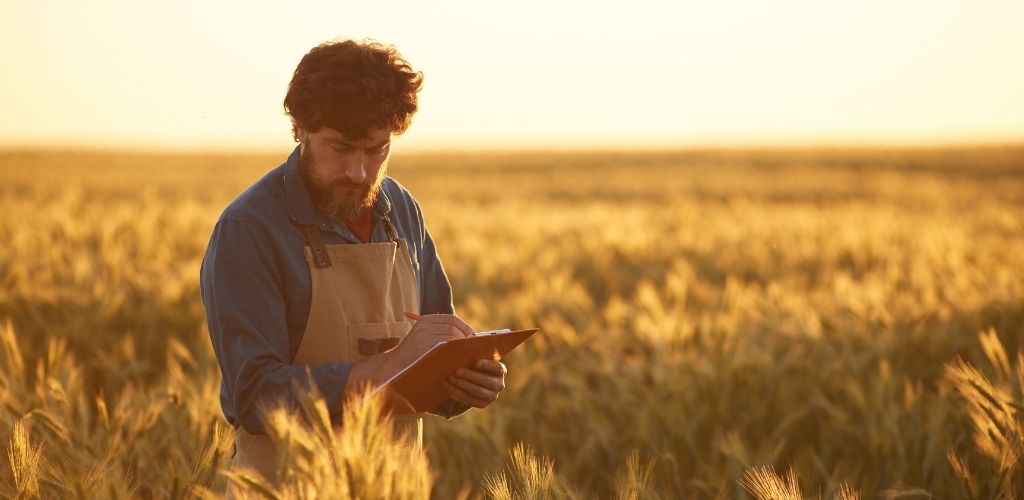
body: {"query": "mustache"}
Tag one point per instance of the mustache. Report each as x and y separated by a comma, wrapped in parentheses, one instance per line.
(342, 183)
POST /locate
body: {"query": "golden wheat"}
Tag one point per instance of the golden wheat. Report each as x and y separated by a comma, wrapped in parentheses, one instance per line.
(707, 317)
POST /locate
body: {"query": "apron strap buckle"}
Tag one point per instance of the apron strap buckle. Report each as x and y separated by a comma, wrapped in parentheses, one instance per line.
(320, 257)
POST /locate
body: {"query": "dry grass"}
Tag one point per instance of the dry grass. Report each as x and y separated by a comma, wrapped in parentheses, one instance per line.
(361, 460)
(854, 317)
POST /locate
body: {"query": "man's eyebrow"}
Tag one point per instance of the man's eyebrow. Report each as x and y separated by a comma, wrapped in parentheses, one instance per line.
(380, 144)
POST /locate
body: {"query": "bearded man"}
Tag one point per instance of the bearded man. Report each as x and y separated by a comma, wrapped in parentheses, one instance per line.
(316, 264)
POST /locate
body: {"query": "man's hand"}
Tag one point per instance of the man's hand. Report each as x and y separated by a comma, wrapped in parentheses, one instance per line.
(428, 331)
(425, 334)
(478, 386)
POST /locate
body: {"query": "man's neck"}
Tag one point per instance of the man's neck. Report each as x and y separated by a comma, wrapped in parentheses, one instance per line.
(361, 225)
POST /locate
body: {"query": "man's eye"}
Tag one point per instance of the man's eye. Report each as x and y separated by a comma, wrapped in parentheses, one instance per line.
(380, 150)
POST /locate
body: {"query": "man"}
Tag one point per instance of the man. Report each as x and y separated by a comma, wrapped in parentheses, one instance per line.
(316, 265)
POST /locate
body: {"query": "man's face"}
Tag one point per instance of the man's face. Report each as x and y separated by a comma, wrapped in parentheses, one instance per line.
(343, 175)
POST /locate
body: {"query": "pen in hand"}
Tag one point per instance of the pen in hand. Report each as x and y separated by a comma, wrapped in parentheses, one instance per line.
(468, 331)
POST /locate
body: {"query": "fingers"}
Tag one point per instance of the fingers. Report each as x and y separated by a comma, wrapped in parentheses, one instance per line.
(475, 388)
(491, 383)
(448, 319)
(478, 386)
(464, 397)
(491, 366)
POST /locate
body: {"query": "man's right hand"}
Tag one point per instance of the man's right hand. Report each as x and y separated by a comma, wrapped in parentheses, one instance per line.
(428, 331)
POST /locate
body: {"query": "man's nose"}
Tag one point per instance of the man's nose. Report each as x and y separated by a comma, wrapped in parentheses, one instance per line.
(355, 167)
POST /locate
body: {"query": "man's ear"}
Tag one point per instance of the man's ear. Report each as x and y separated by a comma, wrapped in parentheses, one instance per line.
(300, 134)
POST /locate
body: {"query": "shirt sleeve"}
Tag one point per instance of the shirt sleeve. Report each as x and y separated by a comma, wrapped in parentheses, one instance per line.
(436, 291)
(245, 308)
(436, 298)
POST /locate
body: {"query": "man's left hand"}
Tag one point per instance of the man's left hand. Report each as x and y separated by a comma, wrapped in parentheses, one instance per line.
(478, 386)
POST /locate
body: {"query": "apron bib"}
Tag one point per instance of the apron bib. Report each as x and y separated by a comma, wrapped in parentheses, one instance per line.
(359, 295)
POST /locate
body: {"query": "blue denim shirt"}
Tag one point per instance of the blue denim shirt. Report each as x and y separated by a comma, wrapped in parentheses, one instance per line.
(256, 287)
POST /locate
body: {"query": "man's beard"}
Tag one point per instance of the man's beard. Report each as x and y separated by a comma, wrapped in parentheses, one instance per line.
(338, 207)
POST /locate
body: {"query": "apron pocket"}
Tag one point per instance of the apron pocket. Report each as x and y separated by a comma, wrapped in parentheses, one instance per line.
(368, 339)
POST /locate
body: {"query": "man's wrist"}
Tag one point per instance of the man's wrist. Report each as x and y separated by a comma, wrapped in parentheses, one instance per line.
(372, 371)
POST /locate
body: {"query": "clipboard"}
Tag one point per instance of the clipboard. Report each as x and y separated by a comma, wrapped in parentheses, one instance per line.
(419, 386)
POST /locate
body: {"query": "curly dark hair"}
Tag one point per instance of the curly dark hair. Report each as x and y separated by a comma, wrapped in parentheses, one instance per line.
(352, 86)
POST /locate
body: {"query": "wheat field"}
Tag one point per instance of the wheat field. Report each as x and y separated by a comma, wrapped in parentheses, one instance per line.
(715, 324)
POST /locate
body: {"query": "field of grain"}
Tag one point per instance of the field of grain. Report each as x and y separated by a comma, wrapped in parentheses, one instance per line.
(711, 321)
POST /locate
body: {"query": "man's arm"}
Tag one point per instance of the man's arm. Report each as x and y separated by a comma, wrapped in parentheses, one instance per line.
(436, 291)
(245, 308)
(479, 386)
(436, 298)
(475, 387)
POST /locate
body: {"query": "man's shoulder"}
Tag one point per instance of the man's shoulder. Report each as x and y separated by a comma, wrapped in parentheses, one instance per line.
(405, 210)
(263, 198)
(399, 196)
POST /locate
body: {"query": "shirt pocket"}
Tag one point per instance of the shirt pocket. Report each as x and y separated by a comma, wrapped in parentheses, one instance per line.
(370, 339)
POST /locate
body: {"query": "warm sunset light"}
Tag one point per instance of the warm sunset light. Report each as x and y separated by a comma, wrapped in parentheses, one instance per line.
(558, 74)
(719, 249)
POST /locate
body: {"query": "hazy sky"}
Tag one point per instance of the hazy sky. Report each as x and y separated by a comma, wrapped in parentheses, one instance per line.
(213, 74)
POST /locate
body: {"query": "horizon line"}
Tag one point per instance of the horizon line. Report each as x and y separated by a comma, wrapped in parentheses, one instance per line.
(244, 147)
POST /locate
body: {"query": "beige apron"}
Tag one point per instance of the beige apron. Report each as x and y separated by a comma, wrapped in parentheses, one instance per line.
(359, 293)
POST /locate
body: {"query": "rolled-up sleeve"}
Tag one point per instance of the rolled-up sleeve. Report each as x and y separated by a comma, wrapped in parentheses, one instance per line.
(245, 307)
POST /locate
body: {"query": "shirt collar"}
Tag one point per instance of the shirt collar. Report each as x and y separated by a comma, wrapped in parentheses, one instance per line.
(300, 206)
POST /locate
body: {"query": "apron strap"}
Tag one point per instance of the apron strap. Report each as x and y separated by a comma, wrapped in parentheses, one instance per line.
(320, 257)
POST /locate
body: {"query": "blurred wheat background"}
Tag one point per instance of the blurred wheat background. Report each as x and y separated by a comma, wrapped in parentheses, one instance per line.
(716, 324)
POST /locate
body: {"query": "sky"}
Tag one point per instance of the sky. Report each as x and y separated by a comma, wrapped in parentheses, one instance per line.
(529, 74)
